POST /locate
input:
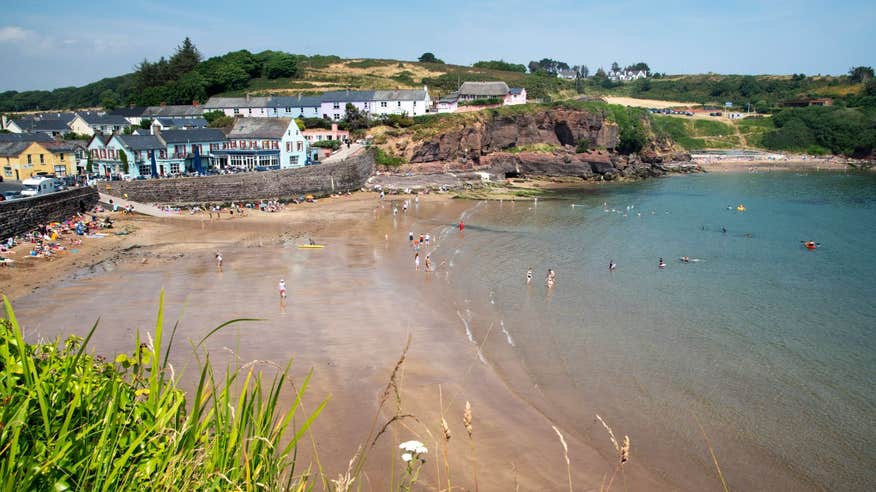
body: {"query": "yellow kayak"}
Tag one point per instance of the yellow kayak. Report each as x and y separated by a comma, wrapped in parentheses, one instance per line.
(741, 208)
(311, 246)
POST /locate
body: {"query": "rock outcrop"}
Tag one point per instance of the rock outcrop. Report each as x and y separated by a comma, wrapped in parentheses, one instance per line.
(557, 127)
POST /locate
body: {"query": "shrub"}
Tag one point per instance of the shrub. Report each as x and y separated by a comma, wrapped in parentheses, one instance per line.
(489, 101)
(327, 144)
(386, 159)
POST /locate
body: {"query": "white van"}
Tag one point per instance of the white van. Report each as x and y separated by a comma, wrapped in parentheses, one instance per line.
(38, 186)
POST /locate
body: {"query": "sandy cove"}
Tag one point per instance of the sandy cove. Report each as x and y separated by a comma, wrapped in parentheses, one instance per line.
(351, 308)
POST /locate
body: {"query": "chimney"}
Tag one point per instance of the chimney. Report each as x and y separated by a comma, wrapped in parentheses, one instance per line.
(195, 103)
(163, 104)
(156, 130)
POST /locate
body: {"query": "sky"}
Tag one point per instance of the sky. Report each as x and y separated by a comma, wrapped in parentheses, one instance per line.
(47, 44)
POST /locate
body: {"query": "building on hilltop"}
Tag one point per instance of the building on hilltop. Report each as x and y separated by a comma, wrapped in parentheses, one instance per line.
(264, 142)
(248, 106)
(802, 103)
(472, 91)
(627, 75)
(567, 74)
(173, 111)
(294, 106)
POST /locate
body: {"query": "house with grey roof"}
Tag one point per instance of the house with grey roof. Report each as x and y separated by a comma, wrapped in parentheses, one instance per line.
(134, 114)
(173, 111)
(247, 106)
(51, 124)
(298, 106)
(275, 143)
(178, 123)
(25, 137)
(475, 91)
(88, 123)
(410, 102)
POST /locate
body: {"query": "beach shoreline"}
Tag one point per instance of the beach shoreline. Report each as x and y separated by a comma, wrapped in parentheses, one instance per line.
(175, 252)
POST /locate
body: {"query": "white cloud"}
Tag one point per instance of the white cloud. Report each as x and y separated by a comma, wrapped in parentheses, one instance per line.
(15, 34)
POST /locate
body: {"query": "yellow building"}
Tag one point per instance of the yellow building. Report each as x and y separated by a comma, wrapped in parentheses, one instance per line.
(22, 160)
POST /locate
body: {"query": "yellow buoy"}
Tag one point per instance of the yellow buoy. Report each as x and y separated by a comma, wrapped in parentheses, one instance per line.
(741, 208)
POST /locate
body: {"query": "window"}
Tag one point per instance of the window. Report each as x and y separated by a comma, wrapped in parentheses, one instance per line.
(293, 160)
(145, 169)
(399, 104)
(336, 105)
(60, 170)
(62, 156)
(29, 159)
(337, 117)
(288, 110)
(174, 168)
(7, 171)
(299, 147)
(162, 154)
(249, 111)
(415, 104)
(382, 104)
(236, 111)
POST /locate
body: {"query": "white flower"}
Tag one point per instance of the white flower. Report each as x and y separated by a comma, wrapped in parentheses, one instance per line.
(421, 450)
(411, 446)
(407, 457)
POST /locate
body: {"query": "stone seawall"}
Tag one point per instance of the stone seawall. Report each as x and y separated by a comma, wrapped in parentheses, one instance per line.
(19, 216)
(321, 179)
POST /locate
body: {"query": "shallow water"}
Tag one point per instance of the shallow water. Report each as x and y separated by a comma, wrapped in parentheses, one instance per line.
(771, 347)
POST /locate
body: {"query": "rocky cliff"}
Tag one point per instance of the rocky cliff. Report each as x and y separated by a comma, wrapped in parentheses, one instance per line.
(559, 127)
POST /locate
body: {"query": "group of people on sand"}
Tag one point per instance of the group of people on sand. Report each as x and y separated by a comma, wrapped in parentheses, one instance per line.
(417, 242)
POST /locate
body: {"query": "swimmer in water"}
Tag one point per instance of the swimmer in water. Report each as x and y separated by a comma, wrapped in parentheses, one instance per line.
(685, 259)
(611, 265)
(661, 263)
(529, 276)
(551, 278)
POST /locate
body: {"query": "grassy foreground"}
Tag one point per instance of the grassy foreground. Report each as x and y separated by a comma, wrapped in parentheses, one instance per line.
(73, 421)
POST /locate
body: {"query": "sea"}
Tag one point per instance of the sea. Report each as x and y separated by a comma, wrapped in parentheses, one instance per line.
(757, 357)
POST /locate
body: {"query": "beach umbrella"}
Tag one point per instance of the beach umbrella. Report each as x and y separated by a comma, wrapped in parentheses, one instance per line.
(198, 159)
(154, 166)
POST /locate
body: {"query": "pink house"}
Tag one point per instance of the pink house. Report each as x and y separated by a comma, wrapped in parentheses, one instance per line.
(319, 134)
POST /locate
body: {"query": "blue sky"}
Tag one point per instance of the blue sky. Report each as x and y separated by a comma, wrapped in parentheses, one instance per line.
(47, 44)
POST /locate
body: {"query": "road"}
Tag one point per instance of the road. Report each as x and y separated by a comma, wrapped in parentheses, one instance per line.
(9, 185)
(343, 153)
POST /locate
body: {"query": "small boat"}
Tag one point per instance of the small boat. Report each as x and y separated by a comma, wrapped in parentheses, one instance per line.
(740, 207)
(810, 244)
(311, 246)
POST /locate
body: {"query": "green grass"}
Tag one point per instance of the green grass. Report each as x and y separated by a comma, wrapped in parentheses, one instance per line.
(384, 158)
(538, 147)
(74, 421)
(712, 128)
(696, 134)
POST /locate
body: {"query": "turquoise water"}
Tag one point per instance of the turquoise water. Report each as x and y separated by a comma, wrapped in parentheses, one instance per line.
(771, 347)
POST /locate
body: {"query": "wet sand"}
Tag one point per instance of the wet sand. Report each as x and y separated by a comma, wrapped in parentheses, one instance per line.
(742, 165)
(351, 307)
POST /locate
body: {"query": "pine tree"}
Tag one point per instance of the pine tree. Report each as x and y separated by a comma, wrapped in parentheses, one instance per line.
(184, 60)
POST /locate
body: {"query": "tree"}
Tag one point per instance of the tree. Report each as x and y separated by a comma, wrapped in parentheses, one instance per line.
(500, 65)
(300, 123)
(428, 57)
(600, 74)
(860, 74)
(189, 88)
(145, 123)
(641, 66)
(221, 122)
(615, 67)
(533, 66)
(356, 120)
(281, 65)
(124, 158)
(584, 71)
(212, 116)
(109, 99)
(184, 60)
(89, 165)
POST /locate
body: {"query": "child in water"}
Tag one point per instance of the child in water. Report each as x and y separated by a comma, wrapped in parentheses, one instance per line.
(661, 264)
(529, 275)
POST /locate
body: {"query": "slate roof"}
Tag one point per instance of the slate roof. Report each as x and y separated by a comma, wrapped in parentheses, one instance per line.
(103, 119)
(484, 89)
(449, 98)
(298, 101)
(516, 90)
(42, 125)
(400, 95)
(140, 142)
(348, 96)
(13, 149)
(194, 135)
(25, 137)
(236, 102)
(57, 146)
(173, 111)
(129, 112)
(259, 127)
(186, 122)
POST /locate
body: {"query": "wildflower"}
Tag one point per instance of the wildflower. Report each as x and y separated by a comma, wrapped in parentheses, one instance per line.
(407, 457)
(411, 446)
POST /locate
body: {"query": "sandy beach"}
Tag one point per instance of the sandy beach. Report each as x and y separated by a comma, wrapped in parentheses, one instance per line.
(351, 307)
(747, 165)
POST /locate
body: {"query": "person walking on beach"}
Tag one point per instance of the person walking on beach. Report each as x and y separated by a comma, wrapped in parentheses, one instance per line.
(529, 276)
(218, 260)
(551, 278)
(461, 226)
(282, 287)
(411, 236)
(417, 261)
(428, 239)
(428, 264)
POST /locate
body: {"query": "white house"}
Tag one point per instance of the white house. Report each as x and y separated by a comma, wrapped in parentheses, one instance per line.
(265, 142)
(294, 106)
(53, 124)
(411, 102)
(249, 106)
(567, 74)
(448, 103)
(86, 123)
(471, 91)
(627, 75)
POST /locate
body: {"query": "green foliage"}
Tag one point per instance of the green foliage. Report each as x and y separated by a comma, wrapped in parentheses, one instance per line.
(405, 77)
(840, 130)
(146, 123)
(547, 66)
(74, 421)
(76, 136)
(123, 156)
(538, 147)
(394, 120)
(221, 122)
(355, 119)
(327, 144)
(281, 65)
(385, 159)
(370, 63)
(324, 123)
(489, 101)
(860, 74)
(89, 165)
(501, 65)
(300, 123)
(583, 146)
(211, 116)
(109, 99)
(429, 58)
